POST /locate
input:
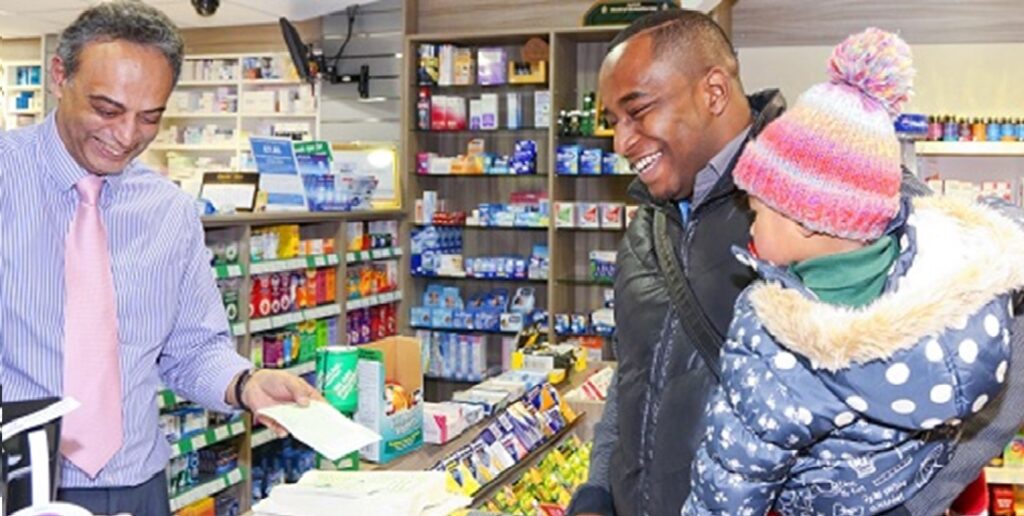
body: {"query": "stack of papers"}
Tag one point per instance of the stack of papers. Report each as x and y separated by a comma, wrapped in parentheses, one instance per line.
(367, 493)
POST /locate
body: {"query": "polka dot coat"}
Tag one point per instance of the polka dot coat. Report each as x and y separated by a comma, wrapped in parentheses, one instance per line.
(837, 411)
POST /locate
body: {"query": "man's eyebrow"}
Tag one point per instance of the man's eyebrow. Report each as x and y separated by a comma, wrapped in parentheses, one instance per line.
(122, 107)
(631, 96)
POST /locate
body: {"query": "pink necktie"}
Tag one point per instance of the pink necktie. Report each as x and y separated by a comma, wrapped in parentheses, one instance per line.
(91, 435)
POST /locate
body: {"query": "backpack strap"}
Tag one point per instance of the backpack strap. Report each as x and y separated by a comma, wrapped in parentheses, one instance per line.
(696, 325)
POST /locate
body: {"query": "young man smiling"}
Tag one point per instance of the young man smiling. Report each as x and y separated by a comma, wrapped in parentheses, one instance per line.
(105, 281)
(671, 88)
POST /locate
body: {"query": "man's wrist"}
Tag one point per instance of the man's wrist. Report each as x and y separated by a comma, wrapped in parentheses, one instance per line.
(238, 387)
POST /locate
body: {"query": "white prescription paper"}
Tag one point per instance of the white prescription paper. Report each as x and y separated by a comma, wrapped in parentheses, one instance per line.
(367, 493)
(321, 427)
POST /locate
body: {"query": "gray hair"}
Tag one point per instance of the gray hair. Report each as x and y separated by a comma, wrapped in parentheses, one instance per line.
(125, 20)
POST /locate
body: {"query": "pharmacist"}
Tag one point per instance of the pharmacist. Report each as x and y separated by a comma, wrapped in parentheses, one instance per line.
(105, 284)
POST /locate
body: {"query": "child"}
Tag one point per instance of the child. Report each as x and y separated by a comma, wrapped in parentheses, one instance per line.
(881, 322)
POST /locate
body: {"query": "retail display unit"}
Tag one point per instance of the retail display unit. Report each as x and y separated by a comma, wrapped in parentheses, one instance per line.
(504, 121)
(336, 245)
(219, 102)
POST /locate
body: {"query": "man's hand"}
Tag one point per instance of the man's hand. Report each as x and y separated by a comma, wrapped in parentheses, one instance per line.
(267, 388)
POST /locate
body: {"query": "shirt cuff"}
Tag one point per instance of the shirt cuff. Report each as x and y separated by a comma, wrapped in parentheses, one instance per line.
(219, 381)
(592, 499)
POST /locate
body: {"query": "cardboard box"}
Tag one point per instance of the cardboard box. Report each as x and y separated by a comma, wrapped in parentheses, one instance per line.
(394, 360)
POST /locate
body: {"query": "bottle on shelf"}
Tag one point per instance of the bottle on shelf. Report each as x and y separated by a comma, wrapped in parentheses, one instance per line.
(965, 129)
(978, 130)
(423, 109)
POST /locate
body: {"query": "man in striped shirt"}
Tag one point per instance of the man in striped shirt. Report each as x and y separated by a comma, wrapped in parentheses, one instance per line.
(104, 274)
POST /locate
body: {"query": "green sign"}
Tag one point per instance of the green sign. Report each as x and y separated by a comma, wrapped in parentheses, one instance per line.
(623, 12)
(313, 148)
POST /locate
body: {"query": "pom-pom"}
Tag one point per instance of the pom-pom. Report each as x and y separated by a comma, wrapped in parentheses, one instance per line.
(879, 64)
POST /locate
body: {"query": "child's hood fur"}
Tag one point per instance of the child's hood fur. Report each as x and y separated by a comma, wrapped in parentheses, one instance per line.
(967, 255)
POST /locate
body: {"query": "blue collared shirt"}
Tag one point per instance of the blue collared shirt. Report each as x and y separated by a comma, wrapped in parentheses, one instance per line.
(171, 322)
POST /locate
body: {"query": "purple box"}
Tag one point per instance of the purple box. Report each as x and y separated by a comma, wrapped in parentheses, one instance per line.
(492, 66)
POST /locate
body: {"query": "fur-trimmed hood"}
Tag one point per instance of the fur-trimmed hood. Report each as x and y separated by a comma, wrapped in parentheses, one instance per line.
(939, 329)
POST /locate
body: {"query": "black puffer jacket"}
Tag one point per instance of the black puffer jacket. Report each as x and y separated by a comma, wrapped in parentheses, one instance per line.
(654, 418)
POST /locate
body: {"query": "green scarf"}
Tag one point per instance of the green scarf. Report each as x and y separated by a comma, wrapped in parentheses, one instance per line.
(851, 279)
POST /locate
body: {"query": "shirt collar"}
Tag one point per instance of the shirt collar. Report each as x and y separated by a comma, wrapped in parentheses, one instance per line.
(716, 167)
(60, 165)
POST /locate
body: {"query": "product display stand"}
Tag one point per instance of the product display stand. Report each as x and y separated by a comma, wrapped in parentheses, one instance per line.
(572, 63)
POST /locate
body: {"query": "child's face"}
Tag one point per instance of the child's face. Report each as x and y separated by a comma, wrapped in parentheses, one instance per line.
(777, 239)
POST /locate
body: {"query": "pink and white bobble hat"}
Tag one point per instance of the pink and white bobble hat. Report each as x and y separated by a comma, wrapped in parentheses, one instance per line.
(832, 161)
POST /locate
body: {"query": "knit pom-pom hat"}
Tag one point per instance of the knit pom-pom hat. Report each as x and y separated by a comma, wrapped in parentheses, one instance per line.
(832, 161)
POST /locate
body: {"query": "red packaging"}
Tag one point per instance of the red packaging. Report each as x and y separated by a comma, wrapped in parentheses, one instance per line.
(275, 293)
(287, 292)
(376, 324)
(321, 287)
(260, 296)
(391, 319)
(1002, 500)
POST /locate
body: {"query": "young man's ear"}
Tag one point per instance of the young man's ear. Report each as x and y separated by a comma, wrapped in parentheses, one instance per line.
(717, 88)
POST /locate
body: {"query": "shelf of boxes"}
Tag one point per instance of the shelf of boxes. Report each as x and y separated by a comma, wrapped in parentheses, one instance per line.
(372, 254)
(301, 369)
(208, 437)
(927, 148)
(374, 300)
(167, 399)
(1014, 476)
(208, 488)
(263, 436)
(294, 264)
(218, 93)
(227, 271)
(280, 321)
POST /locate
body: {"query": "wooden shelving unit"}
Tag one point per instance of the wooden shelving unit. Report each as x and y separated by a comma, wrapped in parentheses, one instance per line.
(573, 63)
(239, 228)
(227, 82)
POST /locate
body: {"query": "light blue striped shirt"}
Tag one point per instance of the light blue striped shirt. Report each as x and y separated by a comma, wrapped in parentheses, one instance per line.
(171, 322)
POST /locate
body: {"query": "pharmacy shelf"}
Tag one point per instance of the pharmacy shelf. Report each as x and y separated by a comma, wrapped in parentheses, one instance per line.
(301, 369)
(208, 488)
(199, 84)
(298, 217)
(465, 331)
(969, 148)
(374, 300)
(1005, 475)
(278, 115)
(273, 82)
(294, 264)
(238, 329)
(482, 227)
(23, 87)
(224, 147)
(593, 230)
(585, 282)
(486, 176)
(227, 271)
(477, 278)
(482, 132)
(167, 399)
(280, 321)
(372, 254)
(200, 115)
(208, 437)
(262, 436)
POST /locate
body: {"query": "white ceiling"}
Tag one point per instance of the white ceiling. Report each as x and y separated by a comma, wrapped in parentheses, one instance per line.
(23, 18)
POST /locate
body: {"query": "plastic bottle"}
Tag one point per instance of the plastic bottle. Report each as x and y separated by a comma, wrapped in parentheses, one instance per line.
(995, 130)
(1020, 129)
(978, 130)
(934, 128)
(965, 129)
(423, 110)
(950, 129)
(1009, 130)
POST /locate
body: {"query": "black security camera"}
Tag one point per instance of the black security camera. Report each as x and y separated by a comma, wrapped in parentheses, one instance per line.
(205, 7)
